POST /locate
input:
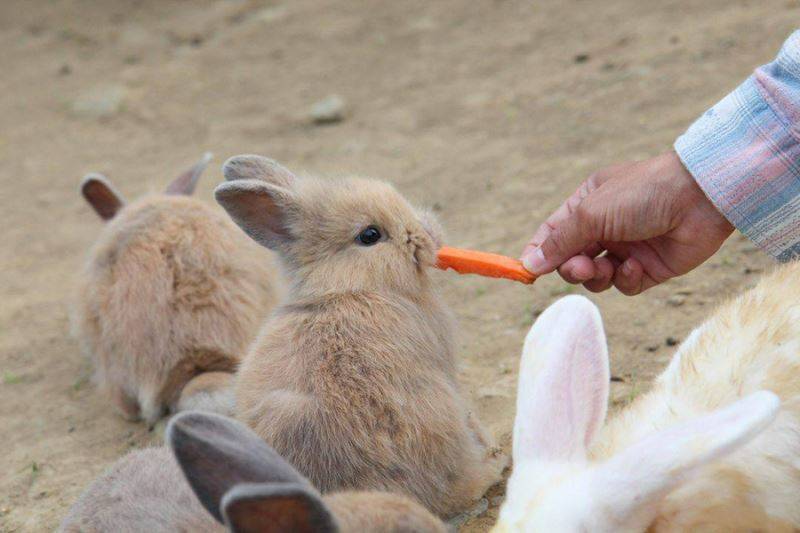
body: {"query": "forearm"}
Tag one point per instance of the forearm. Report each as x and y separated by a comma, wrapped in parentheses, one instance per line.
(745, 154)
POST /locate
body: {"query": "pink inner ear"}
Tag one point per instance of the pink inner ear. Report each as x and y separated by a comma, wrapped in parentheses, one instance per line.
(101, 196)
(564, 382)
(186, 183)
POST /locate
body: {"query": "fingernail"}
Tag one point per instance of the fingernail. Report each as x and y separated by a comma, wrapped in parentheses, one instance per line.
(534, 261)
(626, 268)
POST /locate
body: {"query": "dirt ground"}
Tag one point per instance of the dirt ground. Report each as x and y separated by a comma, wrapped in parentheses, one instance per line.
(491, 112)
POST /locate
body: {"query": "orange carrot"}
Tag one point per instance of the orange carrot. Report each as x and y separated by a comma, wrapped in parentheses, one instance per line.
(484, 264)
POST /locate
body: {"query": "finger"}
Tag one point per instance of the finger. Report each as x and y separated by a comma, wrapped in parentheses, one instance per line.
(628, 277)
(604, 273)
(593, 250)
(566, 240)
(577, 269)
(564, 211)
(559, 215)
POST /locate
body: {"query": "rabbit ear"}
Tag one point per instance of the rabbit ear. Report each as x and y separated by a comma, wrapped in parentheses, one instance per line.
(275, 508)
(631, 484)
(217, 453)
(186, 182)
(260, 208)
(563, 383)
(256, 167)
(101, 195)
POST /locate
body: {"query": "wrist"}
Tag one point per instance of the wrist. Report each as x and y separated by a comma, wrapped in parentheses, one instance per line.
(694, 198)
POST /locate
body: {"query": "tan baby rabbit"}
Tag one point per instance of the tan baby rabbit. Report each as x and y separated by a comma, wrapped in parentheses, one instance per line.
(353, 378)
(713, 447)
(238, 481)
(171, 290)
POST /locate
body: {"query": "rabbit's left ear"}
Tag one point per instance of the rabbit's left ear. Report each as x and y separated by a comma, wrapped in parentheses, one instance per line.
(102, 196)
(276, 508)
(257, 167)
(186, 183)
(262, 209)
(562, 394)
(217, 453)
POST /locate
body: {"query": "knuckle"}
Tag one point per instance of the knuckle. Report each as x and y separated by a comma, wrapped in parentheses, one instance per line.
(584, 220)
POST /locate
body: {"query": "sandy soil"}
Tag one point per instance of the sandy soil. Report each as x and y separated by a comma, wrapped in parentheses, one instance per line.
(490, 111)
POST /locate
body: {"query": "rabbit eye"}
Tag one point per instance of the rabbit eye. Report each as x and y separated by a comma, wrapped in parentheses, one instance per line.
(369, 236)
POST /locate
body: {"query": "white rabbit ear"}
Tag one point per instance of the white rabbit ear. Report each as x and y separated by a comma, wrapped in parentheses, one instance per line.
(186, 183)
(257, 167)
(276, 508)
(563, 383)
(631, 484)
(260, 208)
(101, 195)
(217, 453)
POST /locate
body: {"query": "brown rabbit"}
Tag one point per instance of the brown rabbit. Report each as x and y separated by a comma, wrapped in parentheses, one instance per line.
(237, 480)
(353, 379)
(171, 290)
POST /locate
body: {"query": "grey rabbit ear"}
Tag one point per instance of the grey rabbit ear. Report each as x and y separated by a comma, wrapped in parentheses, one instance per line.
(257, 167)
(186, 183)
(261, 209)
(101, 195)
(276, 508)
(217, 453)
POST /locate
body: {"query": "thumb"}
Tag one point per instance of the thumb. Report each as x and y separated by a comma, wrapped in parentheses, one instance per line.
(567, 239)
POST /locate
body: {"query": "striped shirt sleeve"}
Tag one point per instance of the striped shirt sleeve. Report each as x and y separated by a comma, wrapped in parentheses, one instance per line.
(745, 154)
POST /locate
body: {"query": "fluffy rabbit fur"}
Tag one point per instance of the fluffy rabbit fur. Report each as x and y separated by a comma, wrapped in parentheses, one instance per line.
(707, 449)
(353, 379)
(171, 289)
(238, 481)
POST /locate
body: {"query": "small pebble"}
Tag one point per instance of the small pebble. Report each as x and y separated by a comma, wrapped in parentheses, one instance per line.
(271, 14)
(676, 300)
(329, 110)
(99, 102)
(671, 341)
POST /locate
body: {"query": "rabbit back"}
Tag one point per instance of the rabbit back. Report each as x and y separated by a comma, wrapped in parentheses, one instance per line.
(170, 280)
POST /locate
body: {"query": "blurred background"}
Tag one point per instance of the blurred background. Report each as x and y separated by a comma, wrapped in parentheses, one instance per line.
(490, 112)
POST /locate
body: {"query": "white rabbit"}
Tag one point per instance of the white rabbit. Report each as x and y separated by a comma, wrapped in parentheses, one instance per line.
(707, 449)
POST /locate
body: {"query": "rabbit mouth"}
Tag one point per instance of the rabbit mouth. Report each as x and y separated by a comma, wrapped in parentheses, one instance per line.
(420, 253)
(415, 256)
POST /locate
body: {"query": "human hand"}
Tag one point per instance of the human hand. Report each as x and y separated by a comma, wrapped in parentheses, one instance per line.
(650, 218)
